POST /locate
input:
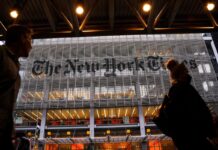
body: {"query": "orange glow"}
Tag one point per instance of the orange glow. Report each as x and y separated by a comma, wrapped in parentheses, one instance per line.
(51, 147)
(121, 145)
(77, 147)
(154, 145)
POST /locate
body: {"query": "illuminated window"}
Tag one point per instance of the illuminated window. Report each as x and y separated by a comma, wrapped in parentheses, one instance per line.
(210, 83)
(200, 69)
(207, 68)
(204, 68)
(207, 84)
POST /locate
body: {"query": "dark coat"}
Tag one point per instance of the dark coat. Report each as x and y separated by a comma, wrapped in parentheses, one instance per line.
(188, 113)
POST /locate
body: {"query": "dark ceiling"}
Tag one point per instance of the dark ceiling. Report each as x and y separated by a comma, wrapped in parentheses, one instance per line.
(56, 18)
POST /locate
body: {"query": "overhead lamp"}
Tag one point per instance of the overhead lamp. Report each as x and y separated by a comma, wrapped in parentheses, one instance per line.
(79, 10)
(14, 13)
(146, 7)
(210, 6)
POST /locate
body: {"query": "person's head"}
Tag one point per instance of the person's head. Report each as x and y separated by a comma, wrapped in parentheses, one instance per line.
(19, 39)
(171, 64)
(178, 72)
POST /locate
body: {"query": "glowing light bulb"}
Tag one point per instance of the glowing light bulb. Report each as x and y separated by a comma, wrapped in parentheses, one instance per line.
(79, 10)
(210, 6)
(146, 7)
(14, 13)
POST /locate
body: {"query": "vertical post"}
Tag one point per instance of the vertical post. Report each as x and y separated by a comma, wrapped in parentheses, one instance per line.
(91, 146)
(141, 120)
(144, 145)
(92, 125)
(43, 123)
(214, 50)
(140, 109)
(44, 111)
(92, 117)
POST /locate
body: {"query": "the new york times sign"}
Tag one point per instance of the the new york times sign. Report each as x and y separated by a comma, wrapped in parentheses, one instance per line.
(111, 65)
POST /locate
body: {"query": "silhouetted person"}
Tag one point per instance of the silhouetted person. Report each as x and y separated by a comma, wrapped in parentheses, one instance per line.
(215, 120)
(23, 143)
(17, 44)
(189, 118)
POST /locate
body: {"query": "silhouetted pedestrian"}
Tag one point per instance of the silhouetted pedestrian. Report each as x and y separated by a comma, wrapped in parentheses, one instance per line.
(189, 121)
(17, 44)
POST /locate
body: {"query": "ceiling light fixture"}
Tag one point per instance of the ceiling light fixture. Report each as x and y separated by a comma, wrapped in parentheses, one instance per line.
(14, 13)
(146, 7)
(79, 10)
(210, 6)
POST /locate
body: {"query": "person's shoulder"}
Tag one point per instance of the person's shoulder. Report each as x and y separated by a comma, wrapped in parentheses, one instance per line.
(175, 88)
(2, 51)
(191, 88)
(3, 48)
(179, 89)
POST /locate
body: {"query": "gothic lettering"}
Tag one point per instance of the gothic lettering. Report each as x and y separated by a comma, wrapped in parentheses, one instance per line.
(111, 66)
(94, 67)
(48, 68)
(121, 66)
(154, 63)
(69, 66)
(87, 65)
(57, 69)
(139, 64)
(37, 67)
(193, 64)
(107, 64)
(79, 68)
(130, 65)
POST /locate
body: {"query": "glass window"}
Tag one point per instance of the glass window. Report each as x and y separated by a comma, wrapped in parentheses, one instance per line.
(207, 68)
(200, 69)
(205, 86)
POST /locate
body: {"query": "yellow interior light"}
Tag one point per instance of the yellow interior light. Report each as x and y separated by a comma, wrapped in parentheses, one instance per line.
(88, 132)
(128, 131)
(49, 133)
(108, 132)
(68, 133)
(29, 134)
(148, 130)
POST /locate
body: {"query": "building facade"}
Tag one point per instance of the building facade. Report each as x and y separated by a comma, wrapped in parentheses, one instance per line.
(102, 92)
